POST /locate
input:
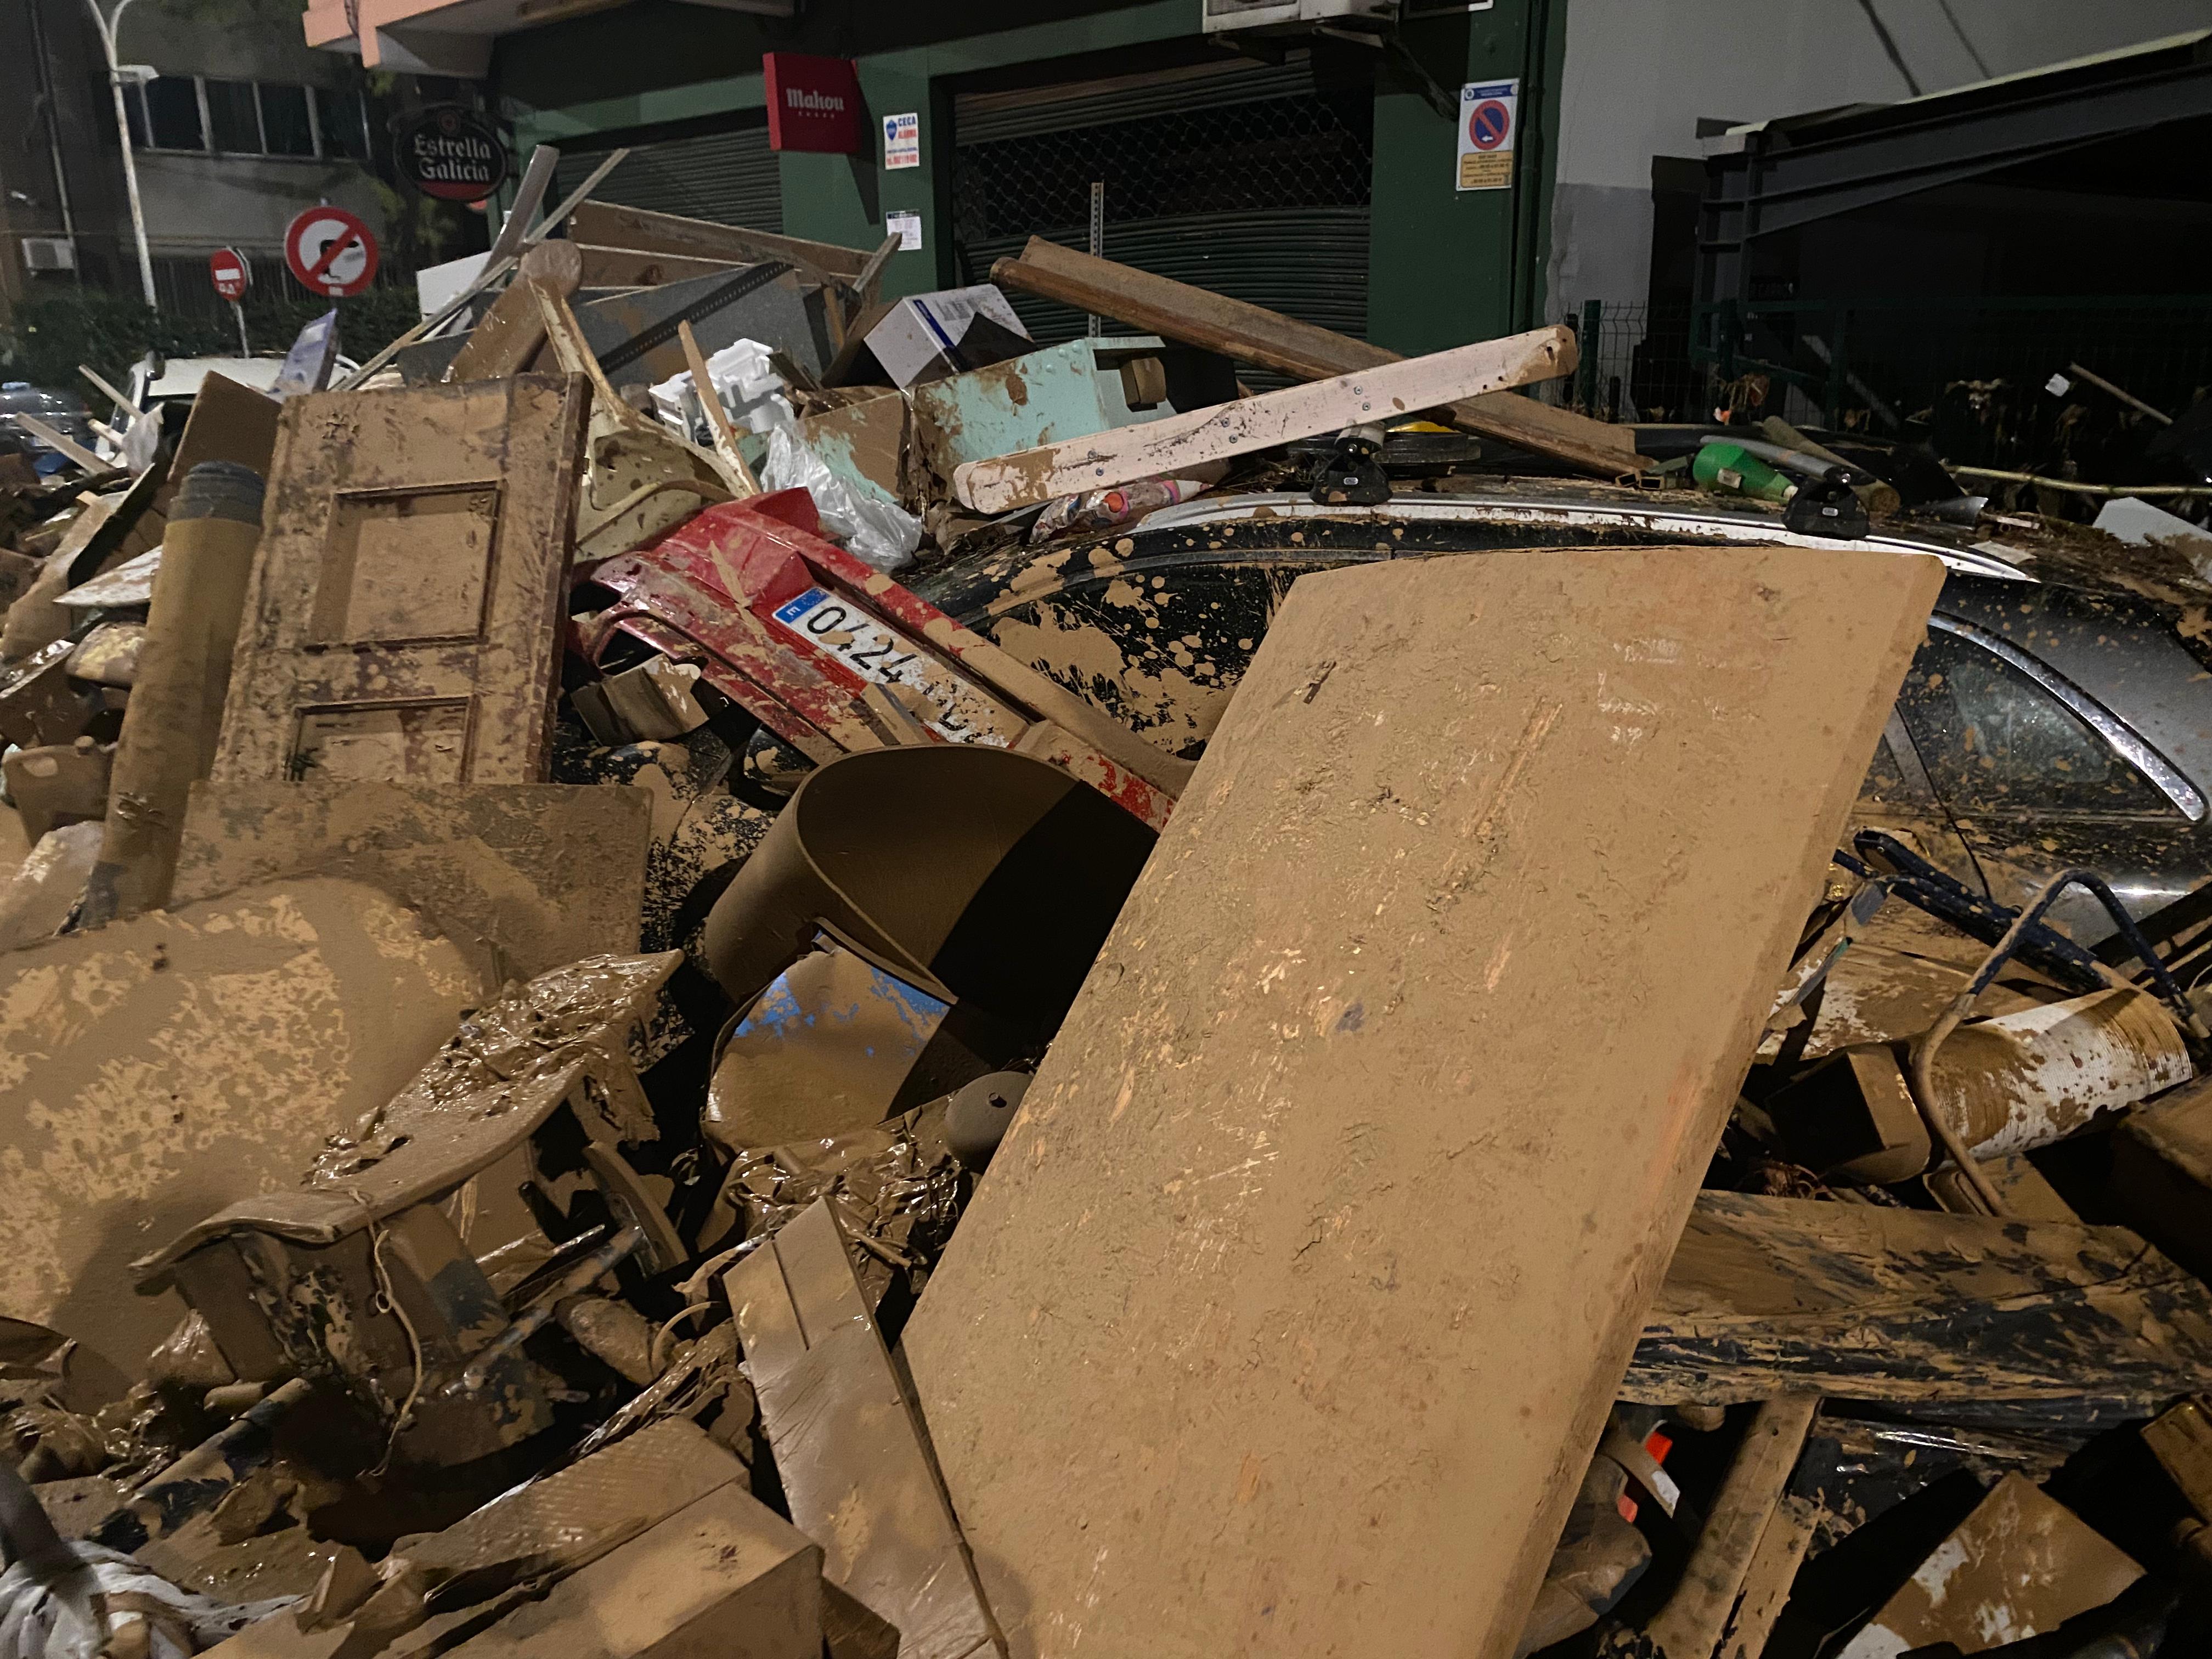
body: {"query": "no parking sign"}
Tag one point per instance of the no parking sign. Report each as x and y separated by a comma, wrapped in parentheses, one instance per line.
(1487, 117)
(331, 251)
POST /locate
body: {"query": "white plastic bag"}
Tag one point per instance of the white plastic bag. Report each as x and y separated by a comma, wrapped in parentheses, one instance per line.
(875, 531)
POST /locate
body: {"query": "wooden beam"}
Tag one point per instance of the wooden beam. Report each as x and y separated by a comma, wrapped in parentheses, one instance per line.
(69, 449)
(1689, 1625)
(604, 224)
(717, 418)
(1122, 455)
(1253, 334)
(2020, 1321)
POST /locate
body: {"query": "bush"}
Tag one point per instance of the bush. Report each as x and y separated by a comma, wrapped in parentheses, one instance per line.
(50, 336)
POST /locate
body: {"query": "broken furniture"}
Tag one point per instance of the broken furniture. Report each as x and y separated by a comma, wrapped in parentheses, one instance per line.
(1056, 394)
(1373, 975)
(359, 1282)
(400, 619)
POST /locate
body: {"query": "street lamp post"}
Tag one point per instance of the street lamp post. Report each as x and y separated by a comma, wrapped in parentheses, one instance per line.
(106, 26)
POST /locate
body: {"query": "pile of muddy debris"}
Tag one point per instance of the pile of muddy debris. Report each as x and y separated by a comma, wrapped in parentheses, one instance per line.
(586, 1069)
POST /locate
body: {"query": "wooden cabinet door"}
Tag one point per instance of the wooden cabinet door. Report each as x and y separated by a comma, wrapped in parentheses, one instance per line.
(403, 618)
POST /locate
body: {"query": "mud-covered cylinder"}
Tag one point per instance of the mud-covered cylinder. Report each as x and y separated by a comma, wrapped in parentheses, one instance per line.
(171, 725)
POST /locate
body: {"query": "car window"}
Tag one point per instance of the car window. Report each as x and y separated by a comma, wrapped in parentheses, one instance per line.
(1995, 741)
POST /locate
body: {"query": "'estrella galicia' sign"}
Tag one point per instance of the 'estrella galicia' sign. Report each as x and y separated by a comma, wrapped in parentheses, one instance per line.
(452, 153)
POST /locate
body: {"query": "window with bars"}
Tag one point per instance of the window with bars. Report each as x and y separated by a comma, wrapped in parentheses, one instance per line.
(246, 117)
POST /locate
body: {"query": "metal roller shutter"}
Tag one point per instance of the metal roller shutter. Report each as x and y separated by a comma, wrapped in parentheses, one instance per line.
(1251, 179)
(731, 178)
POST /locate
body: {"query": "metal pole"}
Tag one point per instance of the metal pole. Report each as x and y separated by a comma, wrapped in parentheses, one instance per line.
(244, 347)
(106, 26)
(1097, 325)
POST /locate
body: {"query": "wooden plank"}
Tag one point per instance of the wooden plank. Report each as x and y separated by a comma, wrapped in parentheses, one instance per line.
(2020, 1321)
(604, 224)
(402, 621)
(1691, 1624)
(68, 447)
(1290, 1312)
(1253, 334)
(1122, 455)
(625, 267)
(848, 1449)
(513, 330)
(1772, 1574)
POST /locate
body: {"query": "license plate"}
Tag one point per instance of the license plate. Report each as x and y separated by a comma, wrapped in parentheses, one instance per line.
(874, 653)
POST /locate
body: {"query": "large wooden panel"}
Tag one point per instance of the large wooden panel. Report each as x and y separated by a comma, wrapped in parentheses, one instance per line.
(402, 622)
(1289, 1313)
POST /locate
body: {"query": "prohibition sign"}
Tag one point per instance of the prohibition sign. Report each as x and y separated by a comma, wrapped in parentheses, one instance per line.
(1486, 128)
(331, 251)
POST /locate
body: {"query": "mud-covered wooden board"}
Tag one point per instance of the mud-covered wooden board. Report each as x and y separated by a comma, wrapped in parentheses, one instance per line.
(402, 619)
(1288, 1315)
(2000, 1321)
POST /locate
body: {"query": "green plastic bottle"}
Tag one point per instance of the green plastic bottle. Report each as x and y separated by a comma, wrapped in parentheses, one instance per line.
(1729, 469)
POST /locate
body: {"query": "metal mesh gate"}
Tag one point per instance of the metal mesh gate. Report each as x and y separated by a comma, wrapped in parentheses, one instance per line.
(1250, 180)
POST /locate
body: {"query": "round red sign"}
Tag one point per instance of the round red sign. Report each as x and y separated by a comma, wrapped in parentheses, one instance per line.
(331, 251)
(230, 272)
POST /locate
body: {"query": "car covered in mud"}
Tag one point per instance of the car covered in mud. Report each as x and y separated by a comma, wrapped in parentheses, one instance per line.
(2055, 716)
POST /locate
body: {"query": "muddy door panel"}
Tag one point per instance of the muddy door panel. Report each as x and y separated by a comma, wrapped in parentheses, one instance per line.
(402, 620)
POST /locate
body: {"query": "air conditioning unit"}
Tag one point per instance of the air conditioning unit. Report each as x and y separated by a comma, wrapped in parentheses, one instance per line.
(1225, 17)
(49, 253)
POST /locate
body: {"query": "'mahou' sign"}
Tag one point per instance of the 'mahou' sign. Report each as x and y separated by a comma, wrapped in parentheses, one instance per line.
(452, 153)
(813, 103)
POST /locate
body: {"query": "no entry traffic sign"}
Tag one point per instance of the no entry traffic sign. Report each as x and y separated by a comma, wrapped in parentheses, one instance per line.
(331, 251)
(232, 276)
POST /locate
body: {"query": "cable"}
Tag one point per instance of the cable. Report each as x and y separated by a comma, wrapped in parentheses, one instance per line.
(1959, 29)
(1889, 44)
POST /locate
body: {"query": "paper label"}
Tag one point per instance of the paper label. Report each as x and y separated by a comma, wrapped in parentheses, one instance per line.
(907, 227)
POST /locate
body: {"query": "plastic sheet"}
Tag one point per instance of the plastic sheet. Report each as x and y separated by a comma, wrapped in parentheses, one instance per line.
(873, 531)
(51, 1608)
(895, 1187)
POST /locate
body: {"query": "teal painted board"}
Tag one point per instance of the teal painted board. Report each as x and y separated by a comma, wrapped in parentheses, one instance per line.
(1063, 391)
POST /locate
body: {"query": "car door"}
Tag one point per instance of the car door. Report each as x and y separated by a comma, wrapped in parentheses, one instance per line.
(2035, 776)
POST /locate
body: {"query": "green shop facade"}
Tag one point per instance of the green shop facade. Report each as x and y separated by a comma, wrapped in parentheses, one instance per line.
(1315, 172)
